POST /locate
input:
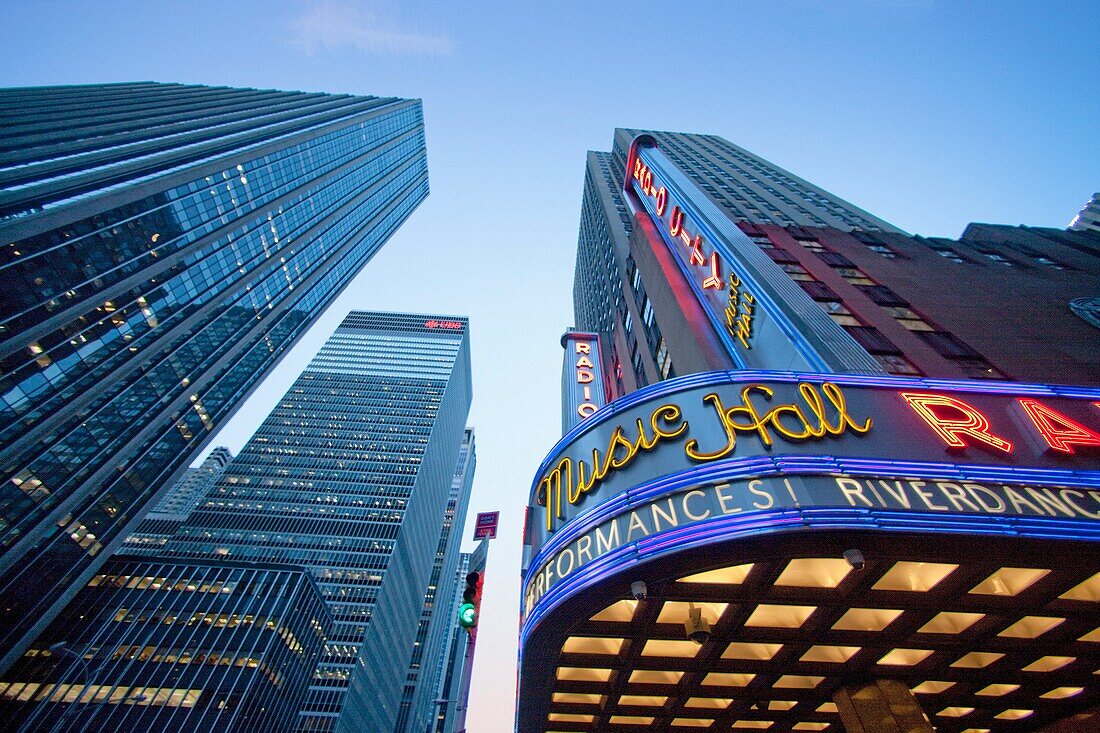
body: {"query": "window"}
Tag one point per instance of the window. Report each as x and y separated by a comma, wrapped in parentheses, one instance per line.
(951, 255)
(947, 345)
(797, 273)
(998, 258)
(884, 251)
(883, 295)
(895, 364)
(872, 339)
(909, 319)
(1048, 262)
(780, 256)
(664, 361)
(978, 368)
(855, 276)
(835, 259)
(839, 313)
(819, 291)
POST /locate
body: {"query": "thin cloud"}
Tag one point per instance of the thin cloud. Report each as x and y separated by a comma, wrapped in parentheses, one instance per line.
(337, 26)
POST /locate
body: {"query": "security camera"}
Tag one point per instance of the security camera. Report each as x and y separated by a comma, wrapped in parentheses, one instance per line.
(638, 590)
(855, 559)
(696, 627)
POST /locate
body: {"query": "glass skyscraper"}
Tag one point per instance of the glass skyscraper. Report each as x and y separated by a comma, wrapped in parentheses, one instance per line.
(353, 477)
(176, 504)
(439, 619)
(158, 645)
(163, 246)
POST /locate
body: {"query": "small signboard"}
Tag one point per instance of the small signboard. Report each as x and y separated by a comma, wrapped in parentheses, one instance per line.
(486, 527)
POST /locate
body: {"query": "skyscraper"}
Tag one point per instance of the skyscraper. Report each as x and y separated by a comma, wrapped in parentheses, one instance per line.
(813, 500)
(742, 186)
(350, 477)
(660, 313)
(1089, 215)
(152, 644)
(176, 504)
(164, 245)
(438, 619)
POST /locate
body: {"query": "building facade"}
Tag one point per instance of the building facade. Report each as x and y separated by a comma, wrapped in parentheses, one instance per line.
(1089, 216)
(438, 619)
(349, 477)
(176, 504)
(164, 245)
(457, 663)
(815, 501)
(151, 644)
(884, 288)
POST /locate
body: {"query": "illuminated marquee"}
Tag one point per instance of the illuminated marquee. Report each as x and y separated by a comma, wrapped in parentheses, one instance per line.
(707, 449)
(885, 421)
(710, 501)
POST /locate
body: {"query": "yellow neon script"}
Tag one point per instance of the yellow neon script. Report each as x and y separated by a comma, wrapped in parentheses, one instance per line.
(665, 424)
(794, 422)
(746, 418)
(740, 312)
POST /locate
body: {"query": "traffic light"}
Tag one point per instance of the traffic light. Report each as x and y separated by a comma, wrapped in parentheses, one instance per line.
(471, 597)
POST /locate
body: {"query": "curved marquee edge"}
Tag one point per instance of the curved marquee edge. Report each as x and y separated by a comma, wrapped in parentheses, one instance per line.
(702, 379)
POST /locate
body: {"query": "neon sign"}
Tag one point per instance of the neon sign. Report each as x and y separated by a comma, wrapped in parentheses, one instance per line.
(740, 312)
(776, 422)
(583, 391)
(450, 325)
(585, 377)
(1060, 432)
(576, 478)
(962, 421)
(711, 278)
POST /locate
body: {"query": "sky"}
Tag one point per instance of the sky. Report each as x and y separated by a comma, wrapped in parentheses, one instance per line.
(925, 113)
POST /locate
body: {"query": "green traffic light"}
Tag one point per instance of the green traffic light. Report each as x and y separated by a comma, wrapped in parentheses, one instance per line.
(467, 615)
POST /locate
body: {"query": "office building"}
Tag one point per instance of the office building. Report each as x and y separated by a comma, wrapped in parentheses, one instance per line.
(439, 617)
(349, 477)
(176, 504)
(814, 501)
(458, 661)
(882, 287)
(163, 246)
(151, 644)
(1089, 215)
(743, 186)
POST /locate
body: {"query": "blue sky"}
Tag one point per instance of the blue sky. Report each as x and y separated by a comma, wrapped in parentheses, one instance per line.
(928, 114)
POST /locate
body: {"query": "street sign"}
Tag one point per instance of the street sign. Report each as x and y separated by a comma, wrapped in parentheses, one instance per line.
(486, 527)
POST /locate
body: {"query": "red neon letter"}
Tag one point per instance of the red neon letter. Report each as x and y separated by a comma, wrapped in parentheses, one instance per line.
(662, 200)
(1057, 430)
(714, 280)
(675, 221)
(697, 252)
(968, 422)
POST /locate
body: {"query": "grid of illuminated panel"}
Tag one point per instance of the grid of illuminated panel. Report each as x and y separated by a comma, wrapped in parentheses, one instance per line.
(984, 647)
